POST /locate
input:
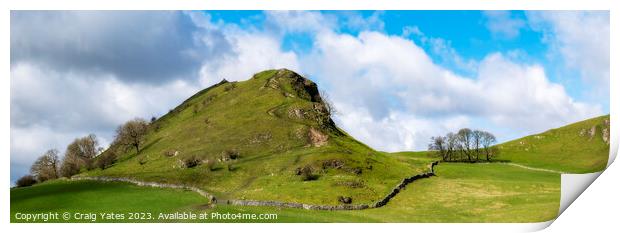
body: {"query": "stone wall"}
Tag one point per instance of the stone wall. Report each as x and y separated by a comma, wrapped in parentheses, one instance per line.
(380, 203)
(149, 184)
(377, 204)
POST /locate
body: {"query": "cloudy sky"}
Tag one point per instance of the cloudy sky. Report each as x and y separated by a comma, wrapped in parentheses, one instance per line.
(396, 77)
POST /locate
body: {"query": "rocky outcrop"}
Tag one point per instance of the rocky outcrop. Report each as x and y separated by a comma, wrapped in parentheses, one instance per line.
(317, 138)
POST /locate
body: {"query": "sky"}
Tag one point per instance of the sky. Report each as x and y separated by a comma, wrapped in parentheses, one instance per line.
(396, 77)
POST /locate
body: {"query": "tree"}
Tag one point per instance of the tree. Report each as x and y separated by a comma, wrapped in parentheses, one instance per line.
(46, 166)
(106, 159)
(82, 151)
(465, 138)
(327, 103)
(477, 141)
(132, 133)
(25, 181)
(487, 140)
(438, 144)
(70, 165)
(452, 145)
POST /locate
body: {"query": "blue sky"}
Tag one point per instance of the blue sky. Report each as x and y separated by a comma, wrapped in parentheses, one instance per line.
(396, 77)
(465, 31)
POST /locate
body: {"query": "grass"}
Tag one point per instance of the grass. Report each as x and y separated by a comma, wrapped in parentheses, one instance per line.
(257, 118)
(459, 193)
(267, 120)
(95, 197)
(568, 149)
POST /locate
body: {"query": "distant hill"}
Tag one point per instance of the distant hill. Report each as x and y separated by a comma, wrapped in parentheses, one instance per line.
(268, 138)
(581, 147)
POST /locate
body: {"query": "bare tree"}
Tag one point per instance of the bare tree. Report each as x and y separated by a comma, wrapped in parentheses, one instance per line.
(327, 103)
(132, 133)
(452, 145)
(83, 150)
(487, 140)
(438, 144)
(46, 166)
(477, 140)
(465, 145)
(465, 137)
(71, 165)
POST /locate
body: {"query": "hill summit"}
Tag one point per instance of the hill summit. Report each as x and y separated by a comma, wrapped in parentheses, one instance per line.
(270, 137)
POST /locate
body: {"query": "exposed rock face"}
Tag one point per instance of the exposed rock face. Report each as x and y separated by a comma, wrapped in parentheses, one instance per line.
(605, 131)
(592, 132)
(317, 138)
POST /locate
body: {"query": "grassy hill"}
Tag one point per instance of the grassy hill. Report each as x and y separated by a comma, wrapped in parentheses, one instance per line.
(581, 147)
(275, 124)
(459, 193)
(256, 139)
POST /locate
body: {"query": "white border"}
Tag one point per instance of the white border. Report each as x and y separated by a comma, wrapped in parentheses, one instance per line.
(605, 186)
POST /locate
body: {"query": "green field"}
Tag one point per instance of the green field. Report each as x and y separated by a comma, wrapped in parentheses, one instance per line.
(459, 193)
(575, 148)
(276, 124)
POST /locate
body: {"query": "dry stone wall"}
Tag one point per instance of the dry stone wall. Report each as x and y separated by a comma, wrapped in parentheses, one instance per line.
(384, 201)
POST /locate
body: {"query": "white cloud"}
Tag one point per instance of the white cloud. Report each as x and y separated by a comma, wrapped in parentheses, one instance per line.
(50, 108)
(580, 38)
(252, 51)
(503, 24)
(391, 89)
(300, 21)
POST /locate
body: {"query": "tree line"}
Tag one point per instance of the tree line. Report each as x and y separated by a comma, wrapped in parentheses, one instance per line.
(85, 154)
(466, 145)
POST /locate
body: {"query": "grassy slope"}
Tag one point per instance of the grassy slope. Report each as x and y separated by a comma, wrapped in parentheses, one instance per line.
(94, 197)
(240, 115)
(459, 193)
(568, 149)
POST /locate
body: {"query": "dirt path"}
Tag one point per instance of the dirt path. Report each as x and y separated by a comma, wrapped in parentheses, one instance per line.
(535, 168)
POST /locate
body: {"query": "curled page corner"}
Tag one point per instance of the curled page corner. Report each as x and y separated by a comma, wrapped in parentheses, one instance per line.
(573, 185)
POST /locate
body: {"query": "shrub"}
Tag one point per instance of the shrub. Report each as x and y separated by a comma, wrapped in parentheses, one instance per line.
(26, 181)
(306, 173)
(230, 155)
(345, 200)
(191, 162)
(142, 161)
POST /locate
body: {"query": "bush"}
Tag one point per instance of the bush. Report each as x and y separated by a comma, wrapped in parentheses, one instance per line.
(191, 162)
(106, 160)
(26, 181)
(230, 155)
(142, 161)
(345, 200)
(306, 173)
